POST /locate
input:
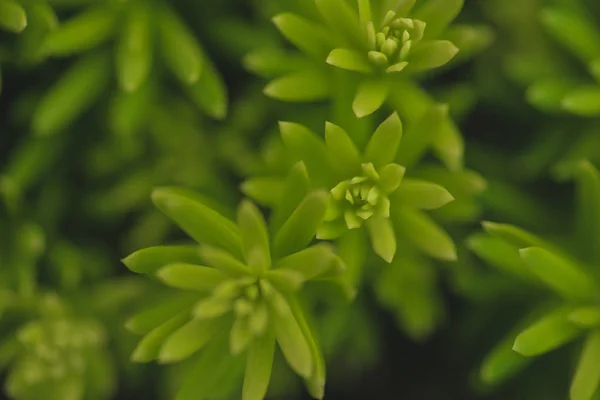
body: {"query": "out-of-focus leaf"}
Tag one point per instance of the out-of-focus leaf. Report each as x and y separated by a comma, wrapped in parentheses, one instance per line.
(209, 92)
(188, 339)
(306, 35)
(584, 101)
(149, 260)
(255, 237)
(191, 277)
(148, 348)
(306, 85)
(438, 14)
(12, 16)
(573, 31)
(296, 187)
(587, 376)
(258, 367)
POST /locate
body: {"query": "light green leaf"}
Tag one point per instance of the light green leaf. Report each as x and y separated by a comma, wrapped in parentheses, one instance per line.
(266, 191)
(438, 14)
(160, 312)
(82, 32)
(548, 95)
(179, 47)
(382, 237)
(587, 376)
(418, 228)
(548, 333)
(417, 139)
(559, 274)
(209, 92)
(309, 37)
(573, 31)
(129, 112)
(148, 348)
(383, 145)
(513, 235)
(221, 259)
(12, 16)
(255, 237)
(258, 367)
(594, 69)
(300, 228)
(305, 85)
(351, 60)
(422, 194)
(134, 51)
(202, 223)
(502, 363)
(311, 262)
(470, 39)
(431, 54)
(188, 339)
(370, 96)
(191, 277)
(147, 261)
(342, 147)
(296, 187)
(583, 101)
(342, 21)
(329, 230)
(586, 317)
(391, 177)
(74, 93)
(285, 280)
(448, 145)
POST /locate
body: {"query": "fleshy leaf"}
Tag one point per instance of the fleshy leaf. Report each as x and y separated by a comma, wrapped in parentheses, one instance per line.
(304, 34)
(258, 367)
(191, 277)
(199, 221)
(311, 262)
(573, 31)
(438, 14)
(417, 139)
(351, 60)
(584, 101)
(149, 260)
(305, 85)
(383, 145)
(586, 317)
(513, 235)
(502, 363)
(342, 147)
(382, 237)
(12, 16)
(551, 331)
(255, 237)
(370, 96)
(391, 177)
(431, 54)
(209, 92)
(264, 190)
(422, 194)
(157, 314)
(587, 376)
(148, 348)
(188, 339)
(342, 20)
(301, 226)
(221, 259)
(548, 95)
(296, 187)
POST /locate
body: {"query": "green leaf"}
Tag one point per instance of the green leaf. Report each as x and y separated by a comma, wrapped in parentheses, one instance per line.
(221, 259)
(587, 376)
(573, 31)
(202, 223)
(148, 348)
(296, 187)
(551, 331)
(418, 228)
(351, 60)
(255, 237)
(285, 280)
(82, 32)
(73, 94)
(209, 92)
(342, 20)
(502, 363)
(586, 317)
(264, 190)
(134, 51)
(182, 53)
(12, 16)
(304, 34)
(548, 95)
(258, 367)
(292, 342)
(240, 336)
(431, 54)
(306, 146)
(470, 39)
(559, 274)
(514, 235)
(448, 145)
(438, 14)
(188, 339)
(149, 260)
(422, 194)
(342, 148)
(383, 145)
(300, 228)
(583, 101)
(588, 210)
(417, 139)
(391, 177)
(370, 96)
(594, 69)
(382, 237)
(157, 314)
(191, 277)
(311, 262)
(305, 85)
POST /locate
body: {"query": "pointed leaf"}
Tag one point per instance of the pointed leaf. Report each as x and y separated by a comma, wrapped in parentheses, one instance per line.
(383, 146)
(209, 92)
(351, 60)
(190, 276)
(417, 139)
(300, 228)
(12, 16)
(548, 333)
(157, 314)
(202, 223)
(584, 101)
(370, 96)
(82, 32)
(438, 14)
(285, 280)
(513, 235)
(502, 363)
(391, 177)
(188, 339)
(296, 187)
(559, 274)
(265, 191)
(311, 262)
(431, 54)
(383, 237)
(424, 233)
(586, 317)
(309, 37)
(342, 20)
(305, 85)
(258, 367)
(149, 347)
(342, 147)
(255, 237)
(448, 145)
(587, 376)
(422, 194)
(147, 261)
(576, 32)
(220, 259)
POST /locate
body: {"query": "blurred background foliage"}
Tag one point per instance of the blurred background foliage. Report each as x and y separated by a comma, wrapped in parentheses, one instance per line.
(103, 100)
